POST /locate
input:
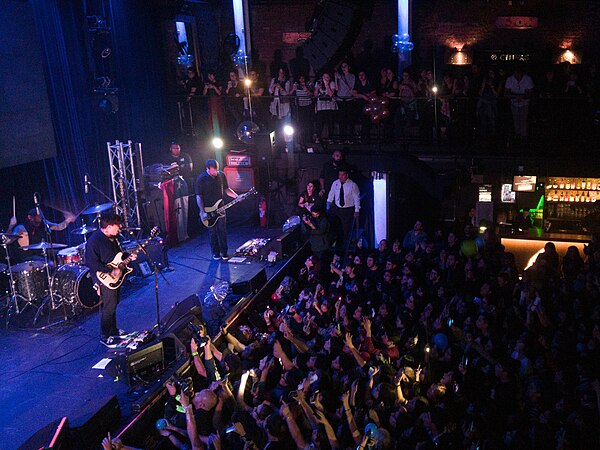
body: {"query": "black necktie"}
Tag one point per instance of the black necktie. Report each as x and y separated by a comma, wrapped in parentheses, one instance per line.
(342, 202)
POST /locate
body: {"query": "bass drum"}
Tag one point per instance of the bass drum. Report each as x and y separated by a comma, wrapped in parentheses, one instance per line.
(74, 283)
(31, 279)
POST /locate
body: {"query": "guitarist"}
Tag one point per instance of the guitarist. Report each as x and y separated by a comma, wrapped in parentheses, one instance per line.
(210, 187)
(101, 248)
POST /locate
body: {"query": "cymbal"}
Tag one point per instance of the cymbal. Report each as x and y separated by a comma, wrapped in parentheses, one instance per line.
(10, 236)
(43, 246)
(97, 208)
(83, 230)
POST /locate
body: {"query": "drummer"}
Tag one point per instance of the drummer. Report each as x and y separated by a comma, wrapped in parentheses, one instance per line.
(32, 231)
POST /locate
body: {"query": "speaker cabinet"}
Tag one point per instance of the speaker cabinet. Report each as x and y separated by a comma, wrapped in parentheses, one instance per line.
(265, 145)
(329, 34)
(240, 179)
(157, 251)
(484, 211)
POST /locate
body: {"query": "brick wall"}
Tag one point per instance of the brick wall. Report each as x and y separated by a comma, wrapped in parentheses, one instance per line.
(446, 24)
(269, 20)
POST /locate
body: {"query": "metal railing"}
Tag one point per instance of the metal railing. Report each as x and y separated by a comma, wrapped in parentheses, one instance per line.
(458, 120)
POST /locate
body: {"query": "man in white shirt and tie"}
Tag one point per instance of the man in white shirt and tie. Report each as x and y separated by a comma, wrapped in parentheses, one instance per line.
(344, 202)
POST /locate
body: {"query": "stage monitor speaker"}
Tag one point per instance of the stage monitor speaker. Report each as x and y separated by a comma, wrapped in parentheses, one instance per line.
(139, 364)
(283, 245)
(191, 305)
(54, 436)
(265, 145)
(256, 282)
(240, 179)
(93, 425)
(174, 332)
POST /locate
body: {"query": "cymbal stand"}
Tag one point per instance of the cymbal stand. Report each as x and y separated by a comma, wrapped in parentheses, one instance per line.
(13, 302)
(50, 298)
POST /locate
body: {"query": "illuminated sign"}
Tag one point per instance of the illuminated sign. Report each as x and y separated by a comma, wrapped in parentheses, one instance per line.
(485, 193)
(509, 57)
(517, 22)
(294, 38)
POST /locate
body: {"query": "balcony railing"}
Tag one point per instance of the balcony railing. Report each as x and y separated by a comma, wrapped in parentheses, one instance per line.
(436, 121)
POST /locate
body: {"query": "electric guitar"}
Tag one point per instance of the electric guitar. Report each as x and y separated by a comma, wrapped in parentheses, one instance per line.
(215, 212)
(119, 263)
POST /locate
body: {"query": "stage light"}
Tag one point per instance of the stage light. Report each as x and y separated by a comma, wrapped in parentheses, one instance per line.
(247, 82)
(217, 143)
(288, 130)
(434, 89)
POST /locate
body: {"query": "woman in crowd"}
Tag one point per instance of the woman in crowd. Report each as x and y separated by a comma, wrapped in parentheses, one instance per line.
(280, 88)
(309, 197)
(303, 90)
(326, 106)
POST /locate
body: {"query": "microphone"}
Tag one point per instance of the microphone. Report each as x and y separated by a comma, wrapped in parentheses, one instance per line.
(36, 202)
(86, 182)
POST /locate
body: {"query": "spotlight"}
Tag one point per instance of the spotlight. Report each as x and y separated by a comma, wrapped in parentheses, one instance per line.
(247, 82)
(434, 89)
(288, 130)
(217, 143)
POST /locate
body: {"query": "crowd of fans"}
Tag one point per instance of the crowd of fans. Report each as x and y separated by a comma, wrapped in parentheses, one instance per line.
(434, 341)
(488, 102)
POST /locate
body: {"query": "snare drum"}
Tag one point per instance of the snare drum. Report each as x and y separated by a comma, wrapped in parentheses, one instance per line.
(69, 255)
(31, 280)
(74, 283)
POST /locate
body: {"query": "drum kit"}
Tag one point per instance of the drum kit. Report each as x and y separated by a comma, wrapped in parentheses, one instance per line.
(41, 285)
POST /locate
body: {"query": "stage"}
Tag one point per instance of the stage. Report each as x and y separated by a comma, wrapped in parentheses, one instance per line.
(48, 374)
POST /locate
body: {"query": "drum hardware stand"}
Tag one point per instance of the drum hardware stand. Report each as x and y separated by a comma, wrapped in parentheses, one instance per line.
(101, 192)
(155, 271)
(49, 299)
(13, 301)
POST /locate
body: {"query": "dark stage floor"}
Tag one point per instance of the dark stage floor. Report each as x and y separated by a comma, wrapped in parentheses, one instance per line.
(47, 375)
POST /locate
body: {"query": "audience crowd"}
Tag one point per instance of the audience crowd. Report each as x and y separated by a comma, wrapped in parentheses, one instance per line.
(486, 102)
(434, 341)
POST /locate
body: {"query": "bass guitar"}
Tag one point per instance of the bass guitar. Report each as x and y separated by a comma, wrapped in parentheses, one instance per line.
(122, 264)
(215, 212)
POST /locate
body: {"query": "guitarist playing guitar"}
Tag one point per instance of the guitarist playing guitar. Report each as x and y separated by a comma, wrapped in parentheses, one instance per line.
(101, 248)
(211, 187)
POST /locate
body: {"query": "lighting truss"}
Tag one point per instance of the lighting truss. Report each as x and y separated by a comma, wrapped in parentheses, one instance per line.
(123, 159)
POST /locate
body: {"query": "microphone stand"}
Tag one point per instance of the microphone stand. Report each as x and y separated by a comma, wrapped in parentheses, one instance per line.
(155, 271)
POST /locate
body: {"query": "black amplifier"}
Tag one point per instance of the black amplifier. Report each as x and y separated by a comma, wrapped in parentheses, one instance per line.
(157, 250)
